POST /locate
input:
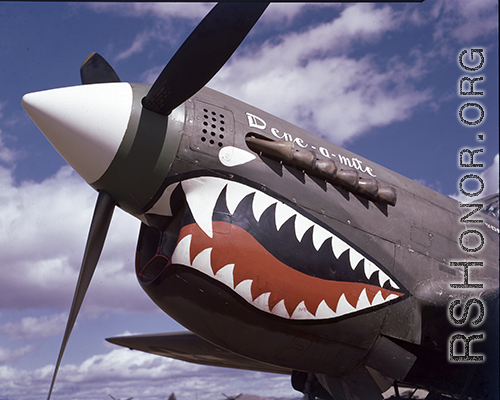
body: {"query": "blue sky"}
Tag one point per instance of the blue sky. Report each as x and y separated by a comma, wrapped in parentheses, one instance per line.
(380, 80)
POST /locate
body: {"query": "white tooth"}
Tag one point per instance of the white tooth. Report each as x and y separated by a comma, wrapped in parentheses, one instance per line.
(354, 258)
(301, 312)
(324, 312)
(236, 192)
(370, 268)
(201, 195)
(225, 275)
(338, 246)
(391, 297)
(363, 301)
(320, 234)
(181, 253)
(280, 310)
(393, 284)
(262, 302)
(378, 299)
(261, 202)
(343, 307)
(244, 289)
(202, 262)
(283, 214)
(302, 224)
(382, 278)
(162, 206)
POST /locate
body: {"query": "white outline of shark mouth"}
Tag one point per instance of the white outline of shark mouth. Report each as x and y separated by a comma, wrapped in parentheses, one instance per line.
(206, 243)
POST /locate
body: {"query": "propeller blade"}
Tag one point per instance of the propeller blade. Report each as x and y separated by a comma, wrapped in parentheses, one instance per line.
(95, 69)
(202, 54)
(97, 234)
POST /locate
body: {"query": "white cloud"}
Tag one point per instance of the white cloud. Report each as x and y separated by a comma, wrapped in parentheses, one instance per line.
(44, 230)
(192, 11)
(7, 155)
(150, 75)
(334, 95)
(491, 178)
(125, 373)
(10, 356)
(35, 328)
(167, 22)
(170, 23)
(465, 20)
(137, 46)
(283, 14)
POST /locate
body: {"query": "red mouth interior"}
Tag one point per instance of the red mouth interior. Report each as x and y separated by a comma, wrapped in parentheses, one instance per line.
(233, 245)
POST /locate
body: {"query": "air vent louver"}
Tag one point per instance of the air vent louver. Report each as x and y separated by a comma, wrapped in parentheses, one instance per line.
(214, 129)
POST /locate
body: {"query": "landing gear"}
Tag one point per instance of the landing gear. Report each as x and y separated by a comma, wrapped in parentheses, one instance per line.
(308, 384)
(308, 389)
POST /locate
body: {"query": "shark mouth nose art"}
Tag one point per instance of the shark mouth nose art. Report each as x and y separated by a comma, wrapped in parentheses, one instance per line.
(273, 256)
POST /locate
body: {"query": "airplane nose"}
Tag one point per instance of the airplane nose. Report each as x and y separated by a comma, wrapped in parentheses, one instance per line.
(85, 124)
